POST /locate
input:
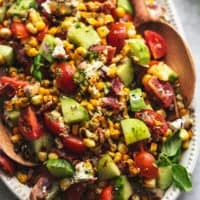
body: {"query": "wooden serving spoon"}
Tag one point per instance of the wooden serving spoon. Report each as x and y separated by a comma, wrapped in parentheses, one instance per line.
(178, 54)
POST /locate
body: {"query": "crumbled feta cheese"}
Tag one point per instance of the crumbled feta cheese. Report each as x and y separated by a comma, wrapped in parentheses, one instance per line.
(59, 51)
(84, 171)
(31, 90)
(46, 6)
(93, 67)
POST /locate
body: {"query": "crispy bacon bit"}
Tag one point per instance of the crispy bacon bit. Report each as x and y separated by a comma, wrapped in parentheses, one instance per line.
(110, 102)
(116, 86)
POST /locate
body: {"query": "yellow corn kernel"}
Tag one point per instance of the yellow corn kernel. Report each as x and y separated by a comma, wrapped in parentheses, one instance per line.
(103, 31)
(117, 157)
(100, 85)
(120, 12)
(90, 107)
(89, 142)
(185, 145)
(53, 30)
(81, 51)
(68, 46)
(5, 33)
(22, 177)
(52, 156)
(44, 91)
(37, 99)
(108, 19)
(94, 102)
(146, 78)
(115, 133)
(125, 157)
(122, 148)
(133, 170)
(32, 52)
(150, 183)
(15, 138)
(42, 156)
(130, 162)
(92, 21)
(184, 111)
(33, 42)
(82, 7)
(153, 147)
(112, 71)
(31, 28)
(2, 60)
(184, 135)
(64, 184)
(40, 25)
(107, 133)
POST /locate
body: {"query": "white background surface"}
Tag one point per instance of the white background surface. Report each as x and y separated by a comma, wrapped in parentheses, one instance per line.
(189, 14)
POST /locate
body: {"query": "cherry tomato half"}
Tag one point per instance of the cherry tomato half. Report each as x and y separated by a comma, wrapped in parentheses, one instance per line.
(64, 78)
(153, 120)
(19, 30)
(117, 35)
(29, 125)
(73, 144)
(12, 81)
(106, 193)
(145, 162)
(162, 90)
(6, 164)
(156, 44)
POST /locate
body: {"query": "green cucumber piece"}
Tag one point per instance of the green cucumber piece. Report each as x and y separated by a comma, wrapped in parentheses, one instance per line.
(165, 177)
(6, 52)
(136, 100)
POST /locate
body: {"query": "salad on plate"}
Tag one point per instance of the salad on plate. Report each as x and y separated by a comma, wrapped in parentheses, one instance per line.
(90, 101)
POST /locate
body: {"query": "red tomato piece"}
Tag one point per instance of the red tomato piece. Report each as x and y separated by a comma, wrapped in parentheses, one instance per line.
(145, 162)
(153, 120)
(117, 35)
(19, 30)
(12, 81)
(41, 34)
(39, 2)
(106, 193)
(29, 125)
(156, 43)
(162, 90)
(73, 144)
(64, 78)
(6, 164)
(54, 123)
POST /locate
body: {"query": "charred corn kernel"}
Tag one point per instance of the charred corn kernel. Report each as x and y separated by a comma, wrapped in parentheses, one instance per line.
(125, 157)
(40, 25)
(22, 177)
(108, 19)
(5, 33)
(52, 156)
(64, 184)
(15, 138)
(53, 30)
(120, 12)
(32, 52)
(47, 98)
(162, 112)
(117, 125)
(146, 78)
(190, 134)
(94, 102)
(117, 157)
(68, 46)
(150, 183)
(185, 145)
(82, 7)
(103, 31)
(133, 170)
(90, 107)
(107, 133)
(37, 99)
(81, 51)
(130, 162)
(100, 85)
(45, 83)
(153, 147)
(184, 135)
(97, 95)
(42, 156)
(122, 148)
(89, 142)
(31, 28)
(44, 91)
(111, 124)
(75, 129)
(33, 42)
(112, 71)
(183, 112)
(168, 133)
(115, 133)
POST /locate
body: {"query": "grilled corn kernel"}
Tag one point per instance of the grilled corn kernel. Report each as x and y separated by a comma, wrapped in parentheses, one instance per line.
(117, 157)
(40, 25)
(82, 7)
(146, 78)
(64, 184)
(53, 30)
(100, 85)
(125, 157)
(32, 52)
(33, 42)
(44, 91)
(153, 147)
(31, 28)
(108, 19)
(22, 177)
(15, 138)
(103, 31)
(184, 135)
(185, 145)
(37, 100)
(94, 102)
(115, 133)
(81, 51)
(150, 183)
(120, 12)
(122, 148)
(42, 156)
(52, 156)
(112, 71)
(5, 33)
(133, 170)
(89, 142)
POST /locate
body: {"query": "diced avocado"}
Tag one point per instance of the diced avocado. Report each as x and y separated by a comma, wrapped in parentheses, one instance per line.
(164, 177)
(125, 71)
(45, 142)
(82, 35)
(122, 188)
(2, 13)
(136, 100)
(163, 72)
(20, 7)
(106, 168)
(47, 47)
(73, 112)
(139, 51)
(126, 5)
(134, 130)
(6, 52)
(60, 168)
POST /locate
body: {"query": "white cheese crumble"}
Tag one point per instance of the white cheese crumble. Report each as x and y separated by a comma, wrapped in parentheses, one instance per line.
(46, 6)
(93, 67)
(59, 51)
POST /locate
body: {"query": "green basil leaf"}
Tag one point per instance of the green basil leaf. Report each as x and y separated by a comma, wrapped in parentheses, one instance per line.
(172, 145)
(181, 178)
(163, 160)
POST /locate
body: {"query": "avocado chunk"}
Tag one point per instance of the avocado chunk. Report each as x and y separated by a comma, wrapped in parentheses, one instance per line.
(45, 142)
(73, 112)
(82, 35)
(2, 13)
(126, 5)
(6, 53)
(136, 100)
(47, 47)
(106, 168)
(123, 189)
(125, 71)
(139, 51)
(134, 130)
(163, 72)
(20, 7)
(164, 177)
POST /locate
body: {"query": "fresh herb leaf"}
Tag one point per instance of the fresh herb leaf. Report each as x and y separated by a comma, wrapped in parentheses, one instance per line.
(181, 178)
(163, 160)
(35, 68)
(79, 77)
(91, 55)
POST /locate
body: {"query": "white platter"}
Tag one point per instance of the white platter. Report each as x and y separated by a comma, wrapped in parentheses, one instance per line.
(189, 158)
